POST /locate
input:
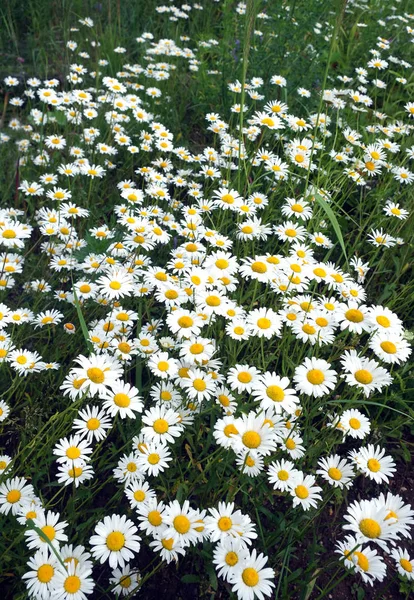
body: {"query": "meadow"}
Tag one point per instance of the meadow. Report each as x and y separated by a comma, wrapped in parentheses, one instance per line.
(206, 299)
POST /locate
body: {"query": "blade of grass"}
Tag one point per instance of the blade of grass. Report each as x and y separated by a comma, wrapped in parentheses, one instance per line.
(334, 222)
(82, 321)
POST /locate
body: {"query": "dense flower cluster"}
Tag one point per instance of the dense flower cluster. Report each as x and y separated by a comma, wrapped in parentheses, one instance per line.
(193, 292)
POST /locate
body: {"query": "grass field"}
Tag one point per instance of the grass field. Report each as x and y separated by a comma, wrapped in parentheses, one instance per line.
(206, 299)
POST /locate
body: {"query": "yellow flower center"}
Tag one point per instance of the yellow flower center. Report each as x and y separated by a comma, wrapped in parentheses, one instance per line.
(290, 444)
(275, 393)
(199, 384)
(154, 518)
(259, 267)
(363, 562)
(73, 452)
(231, 559)
(297, 207)
(181, 524)
(45, 573)
(383, 321)
(244, 377)
(363, 376)
(250, 577)
(406, 565)
(374, 465)
(122, 400)
(163, 366)
(322, 322)
(251, 439)
(196, 348)
(154, 458)
(85, 288)
(124, 347)
(370, 528)
(115, 285)
(354, 423)
(308, 329)
(115, 541)
(335, 474)
(230, 430)
(13, 496)
(315, 377)
(283, 475)
(9, 234)
(168, 544)
(225, 523)
(185, 322)
(76, 472)
(160, 426)
(389, 347)
(354, 315)
(49, 532)
(96, 375)
(264, 323)
(290, 232)
(301, 492)
(139, 495)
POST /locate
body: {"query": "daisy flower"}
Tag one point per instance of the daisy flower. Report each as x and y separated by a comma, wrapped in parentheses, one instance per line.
(254, 434)
(281, 473)
(41, 578)
(227, 557)
(403, 562)
(151, 517)
(93, 424)
(304, 491)
(199, 385)
(364, 373)
(399, 513)
(162, 365)
(72, 450)
(50, 526)
(314, 377)
(392, 348)
(354, 317)
(161, 424)
(138, 493)
(383, 319)
(355, 424)
(168, 548)
(264, 322)
(154, 458)
(13, 493)
(364, 560)
(125, 581)
(251, 463)
(123, 399)
(251, 578)
(336, 471)
(98, 372)
(116, 540)
(117, 284)
(242, 378)
(224, 522)
(183, 523)
(369, 523)
(374, 464)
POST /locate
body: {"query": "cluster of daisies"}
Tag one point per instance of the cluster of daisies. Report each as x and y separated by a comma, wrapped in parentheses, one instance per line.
(204, 291)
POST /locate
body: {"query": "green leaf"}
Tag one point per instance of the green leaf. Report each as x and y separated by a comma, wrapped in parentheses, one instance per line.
(30, 524)
(334, 222)
(82, 321)
(190, 579)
